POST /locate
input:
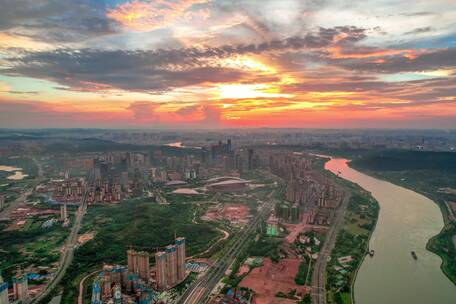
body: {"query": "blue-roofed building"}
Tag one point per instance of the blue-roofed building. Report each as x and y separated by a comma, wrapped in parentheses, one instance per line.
(3, 291)
(96, 292)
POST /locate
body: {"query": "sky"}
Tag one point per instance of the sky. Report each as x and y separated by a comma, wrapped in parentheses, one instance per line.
(227, 64)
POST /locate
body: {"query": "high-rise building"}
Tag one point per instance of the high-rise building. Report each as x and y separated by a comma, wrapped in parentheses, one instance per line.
(96, 292)
(171, 264)
(160, 270)
(88, 164)
(250, 159)
(138, 263)
(117, 294)
(131, 256)
(20, 287)
(143, 266)
(63, 212)
(3, 291)
(180, 246)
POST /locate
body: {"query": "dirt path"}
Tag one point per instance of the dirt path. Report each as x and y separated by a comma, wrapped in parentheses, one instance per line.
(225, 236)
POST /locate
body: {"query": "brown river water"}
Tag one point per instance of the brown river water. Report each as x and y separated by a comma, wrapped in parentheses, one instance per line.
(407, 220)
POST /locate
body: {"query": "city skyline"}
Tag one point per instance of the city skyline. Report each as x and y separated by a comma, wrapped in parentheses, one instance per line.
(227, 64)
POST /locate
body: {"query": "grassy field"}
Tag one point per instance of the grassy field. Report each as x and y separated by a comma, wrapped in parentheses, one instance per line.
(31, 245)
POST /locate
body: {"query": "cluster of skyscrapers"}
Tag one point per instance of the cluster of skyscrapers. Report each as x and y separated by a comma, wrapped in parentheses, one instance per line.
(20, 289)
(136, 282)
(307, 190)
(68, 190)
(138, 263)
(170, 265)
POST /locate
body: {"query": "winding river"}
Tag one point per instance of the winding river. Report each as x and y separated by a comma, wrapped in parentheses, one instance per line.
(407, 220)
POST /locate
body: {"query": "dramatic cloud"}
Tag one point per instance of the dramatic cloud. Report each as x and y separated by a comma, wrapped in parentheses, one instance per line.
(210, 63)
(149, 15)
(428, 60)
(420, 30)
(144, 111)
(88, 69)
(54, 20)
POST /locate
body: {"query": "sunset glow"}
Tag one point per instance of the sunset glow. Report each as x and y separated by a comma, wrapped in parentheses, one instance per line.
(207, 63)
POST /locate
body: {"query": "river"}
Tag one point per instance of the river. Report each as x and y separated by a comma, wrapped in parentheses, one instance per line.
(17, 172)
(179, 144)
(407, 220)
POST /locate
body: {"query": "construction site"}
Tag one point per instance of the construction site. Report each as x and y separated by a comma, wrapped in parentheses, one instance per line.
(271, 279)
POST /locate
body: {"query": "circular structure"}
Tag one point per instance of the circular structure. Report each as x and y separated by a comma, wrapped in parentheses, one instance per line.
(227, 183)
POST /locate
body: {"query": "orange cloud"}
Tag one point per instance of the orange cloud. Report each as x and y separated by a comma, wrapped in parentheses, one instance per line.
(240, 113)
(4, 87)
(338, 52)
(15, 41)
(146, 16)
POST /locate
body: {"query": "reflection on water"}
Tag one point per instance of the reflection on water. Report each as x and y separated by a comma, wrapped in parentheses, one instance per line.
(407, 220)
(9, 168)
(179, 144)
(18, 175)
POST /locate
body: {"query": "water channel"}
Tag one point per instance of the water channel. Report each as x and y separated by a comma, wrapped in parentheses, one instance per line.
(407, 220)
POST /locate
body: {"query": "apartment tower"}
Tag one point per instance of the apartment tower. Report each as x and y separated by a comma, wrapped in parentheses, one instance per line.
(160, 270)
(3, 291)
(20, 287)
(180, 246)
(138, 263)
(171, 264)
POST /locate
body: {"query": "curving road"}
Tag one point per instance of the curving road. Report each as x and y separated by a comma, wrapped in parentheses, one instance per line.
(81, 286)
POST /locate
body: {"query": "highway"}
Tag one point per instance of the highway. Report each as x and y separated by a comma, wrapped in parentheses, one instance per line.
(318, 275)
(68, 252)
(201, 289)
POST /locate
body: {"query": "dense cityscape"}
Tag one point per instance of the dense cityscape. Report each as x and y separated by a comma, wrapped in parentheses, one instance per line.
(84, 219)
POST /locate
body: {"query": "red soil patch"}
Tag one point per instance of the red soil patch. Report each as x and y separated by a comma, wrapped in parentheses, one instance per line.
(23, 212)
(243, 269)
(235, 212)
(211, 215)
(266, 281)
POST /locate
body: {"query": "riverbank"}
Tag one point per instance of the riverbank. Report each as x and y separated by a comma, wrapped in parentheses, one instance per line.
(406, 221)
(352, 243)
(428, 182)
